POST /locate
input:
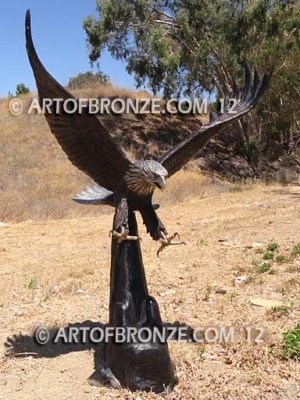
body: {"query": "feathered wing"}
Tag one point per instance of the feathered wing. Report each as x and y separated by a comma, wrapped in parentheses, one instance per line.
(95, 195)
(82, 136)
(175, 158)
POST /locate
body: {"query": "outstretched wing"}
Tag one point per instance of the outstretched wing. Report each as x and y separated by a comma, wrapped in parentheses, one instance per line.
(175, 158)
(82, 136)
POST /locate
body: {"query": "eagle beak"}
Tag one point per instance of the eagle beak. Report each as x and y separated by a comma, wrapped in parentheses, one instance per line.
(160, 182)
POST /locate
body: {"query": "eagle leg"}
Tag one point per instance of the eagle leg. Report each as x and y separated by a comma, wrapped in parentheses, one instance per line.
(167, 241)
(120, 229)
(123, 235)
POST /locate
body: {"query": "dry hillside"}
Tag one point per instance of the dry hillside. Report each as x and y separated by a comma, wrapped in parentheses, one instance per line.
(37, 181)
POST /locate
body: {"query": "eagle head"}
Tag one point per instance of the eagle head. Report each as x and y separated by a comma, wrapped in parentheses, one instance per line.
(156, 173)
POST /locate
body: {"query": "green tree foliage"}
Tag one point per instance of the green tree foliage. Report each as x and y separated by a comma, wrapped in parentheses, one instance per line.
(193, 46)
(22, 89)
(88, 80)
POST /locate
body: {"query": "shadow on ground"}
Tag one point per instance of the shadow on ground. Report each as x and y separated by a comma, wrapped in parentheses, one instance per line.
(64, 340)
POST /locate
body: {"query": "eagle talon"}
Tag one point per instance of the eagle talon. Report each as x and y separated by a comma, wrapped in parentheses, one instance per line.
(122, 236)
(167, 241)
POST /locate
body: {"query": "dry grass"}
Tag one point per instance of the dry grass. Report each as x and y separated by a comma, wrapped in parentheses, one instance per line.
(57, 272)
(185, 185)
(110, 91)
(36, 179)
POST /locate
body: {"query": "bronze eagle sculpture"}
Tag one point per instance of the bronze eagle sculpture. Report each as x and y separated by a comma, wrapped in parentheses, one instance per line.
(121, 183)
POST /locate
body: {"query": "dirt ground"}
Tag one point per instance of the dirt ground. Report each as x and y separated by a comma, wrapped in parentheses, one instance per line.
(55, 273)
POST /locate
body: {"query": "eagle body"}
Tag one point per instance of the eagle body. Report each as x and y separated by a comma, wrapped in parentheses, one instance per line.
(134, 193)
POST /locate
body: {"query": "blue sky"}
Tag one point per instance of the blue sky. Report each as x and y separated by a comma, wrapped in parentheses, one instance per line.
(59, 39)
